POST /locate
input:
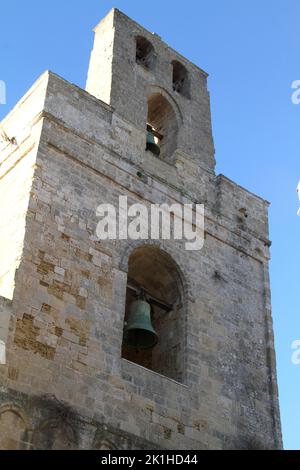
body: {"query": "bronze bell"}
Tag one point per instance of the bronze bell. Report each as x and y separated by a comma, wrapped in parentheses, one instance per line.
(139, 332)
(151, 144)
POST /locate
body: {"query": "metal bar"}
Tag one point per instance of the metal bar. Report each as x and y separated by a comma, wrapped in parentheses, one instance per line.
(152, 300)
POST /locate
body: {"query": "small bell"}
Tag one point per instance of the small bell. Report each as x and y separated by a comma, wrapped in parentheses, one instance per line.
(151, 144)
(139, 332)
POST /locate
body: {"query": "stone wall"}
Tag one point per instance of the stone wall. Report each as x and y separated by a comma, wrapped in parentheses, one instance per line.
(18, 157)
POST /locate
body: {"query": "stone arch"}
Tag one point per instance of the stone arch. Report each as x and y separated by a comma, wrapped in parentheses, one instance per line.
(155, 271)
(145, 53)
(14, 428)
(151, 89)
(132, 245)
(55, 434)
(164, 119)
(106, 440)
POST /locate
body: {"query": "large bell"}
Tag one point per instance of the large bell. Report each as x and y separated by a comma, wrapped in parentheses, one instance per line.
(151, 144)
(139, 332)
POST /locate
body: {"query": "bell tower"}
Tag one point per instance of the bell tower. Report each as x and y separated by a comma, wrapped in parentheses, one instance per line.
(147, 82)
(129, 343)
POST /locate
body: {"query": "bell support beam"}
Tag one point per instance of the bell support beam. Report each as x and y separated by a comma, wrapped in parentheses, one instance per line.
(133, 287)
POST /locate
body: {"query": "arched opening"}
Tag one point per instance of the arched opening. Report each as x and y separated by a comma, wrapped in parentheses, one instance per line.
(181, 82)
(162, 124)
(12, 429)
(145, 54)
(155, 273)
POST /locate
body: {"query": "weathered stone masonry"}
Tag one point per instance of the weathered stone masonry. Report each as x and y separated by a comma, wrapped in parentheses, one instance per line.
(64, 383)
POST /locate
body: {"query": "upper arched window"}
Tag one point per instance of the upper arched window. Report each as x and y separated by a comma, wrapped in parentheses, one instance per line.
(181, 82)
(145, 54)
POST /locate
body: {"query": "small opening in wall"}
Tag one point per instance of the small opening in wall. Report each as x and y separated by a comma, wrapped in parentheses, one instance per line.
(154, 332)
(145, 54)
(181, 83)
(243, 211)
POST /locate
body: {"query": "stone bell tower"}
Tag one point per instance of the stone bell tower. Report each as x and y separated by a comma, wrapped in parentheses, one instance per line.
(140, 76)
(69, 379)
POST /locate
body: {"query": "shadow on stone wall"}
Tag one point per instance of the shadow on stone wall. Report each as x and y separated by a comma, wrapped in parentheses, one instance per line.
(44, 423)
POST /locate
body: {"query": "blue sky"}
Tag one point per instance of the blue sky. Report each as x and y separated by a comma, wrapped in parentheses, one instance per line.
(251, 50)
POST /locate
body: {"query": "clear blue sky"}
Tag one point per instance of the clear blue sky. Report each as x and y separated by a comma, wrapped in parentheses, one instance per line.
(251, 49)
